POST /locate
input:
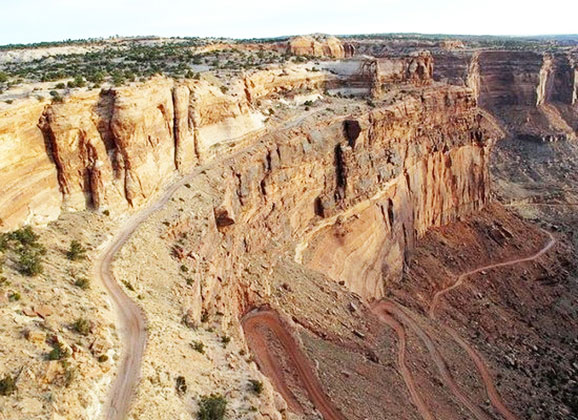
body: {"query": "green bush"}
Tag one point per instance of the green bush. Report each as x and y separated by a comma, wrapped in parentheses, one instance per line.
(30, 263)
(83, 283)
(212, 407)
(76, 251)
(181, 385)
(25, 236)
(82, 326)
(7, 385)
(256, 386)
(3, 77)
(58, 352)
(198, 346)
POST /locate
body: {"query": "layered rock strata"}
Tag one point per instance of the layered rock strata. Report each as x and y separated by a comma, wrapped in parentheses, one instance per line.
(343, 195)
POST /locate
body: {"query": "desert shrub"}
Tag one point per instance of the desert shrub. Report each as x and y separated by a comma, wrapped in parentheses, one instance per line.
(181, 385)
(4, 242)
(198, 346)
(3, 77)
(225, 340)
(7, 385)
(102, 358)
(30, 262)
(82, 326)
(26, 236)
(58, 352)
(83, 283)
(56, 96)
(212, 407)
(69, 376)
(128, 285)
(76, 251)
(256, 386)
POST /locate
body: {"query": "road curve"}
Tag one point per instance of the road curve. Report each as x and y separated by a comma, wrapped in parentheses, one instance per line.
(399, 329)
(461, 277)
(408, 319)
(253, 325)
(491, 390)
(131, 319)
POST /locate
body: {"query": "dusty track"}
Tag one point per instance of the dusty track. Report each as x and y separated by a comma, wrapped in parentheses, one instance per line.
(409, 320)
(131, 319)
(399, 329)
(461, 277)
(483, 370)
(253, 325)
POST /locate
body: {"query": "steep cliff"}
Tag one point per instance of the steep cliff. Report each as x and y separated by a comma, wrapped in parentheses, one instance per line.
(531, 92)
(320, 46)
(28, 178)
(378, 178)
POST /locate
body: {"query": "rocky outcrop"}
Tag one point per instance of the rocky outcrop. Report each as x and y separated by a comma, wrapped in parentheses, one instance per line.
(29, 187)
(346, 194)
(532, 93)
(113, 148)
(320, 46)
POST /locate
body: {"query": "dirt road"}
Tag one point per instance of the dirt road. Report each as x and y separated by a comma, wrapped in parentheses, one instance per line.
(408, 319)
(131, 319)
(254, 325)
(383, 315)
(462, 277)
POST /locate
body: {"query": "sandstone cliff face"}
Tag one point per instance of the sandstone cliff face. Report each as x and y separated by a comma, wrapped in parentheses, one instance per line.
(532, 93)
(28, 179)
(328, 46)
(111, 149)
(342, 194)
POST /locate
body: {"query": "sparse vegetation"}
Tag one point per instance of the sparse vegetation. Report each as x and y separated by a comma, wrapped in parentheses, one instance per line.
(58, 352)
(128, 285)
(82, 326)
(30, 263)
(256, 386)
(198, 346)
(212, 407)
(76, 251)
(7, 385)
(225, 339)
(82, 282)
(181, 385)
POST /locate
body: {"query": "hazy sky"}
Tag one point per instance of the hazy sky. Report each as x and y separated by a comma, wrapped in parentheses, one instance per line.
(49, 20)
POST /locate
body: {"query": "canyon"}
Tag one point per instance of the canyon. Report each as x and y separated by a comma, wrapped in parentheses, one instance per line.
(341, 229)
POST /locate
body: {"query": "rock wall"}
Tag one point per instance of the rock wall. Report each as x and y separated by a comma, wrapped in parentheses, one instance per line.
(320, 46)
(110, 149)
(532, 93)
(340, 196)
(28, 178)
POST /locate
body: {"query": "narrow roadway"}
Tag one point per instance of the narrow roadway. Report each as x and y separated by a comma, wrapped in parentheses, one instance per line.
(253, 325)
(390, 312)
(131, 319)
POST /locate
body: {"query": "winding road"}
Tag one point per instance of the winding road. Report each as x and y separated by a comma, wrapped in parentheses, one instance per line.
(382, 313)
(388, 311)
(408, 319)
(460, 280)
(131, 319)
(254, 324)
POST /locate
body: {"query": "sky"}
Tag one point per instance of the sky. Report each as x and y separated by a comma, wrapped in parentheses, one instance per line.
(25, 21)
